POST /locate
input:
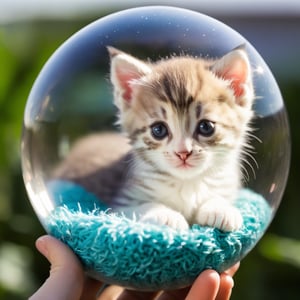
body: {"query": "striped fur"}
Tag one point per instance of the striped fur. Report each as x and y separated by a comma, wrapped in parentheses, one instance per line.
(187, 120)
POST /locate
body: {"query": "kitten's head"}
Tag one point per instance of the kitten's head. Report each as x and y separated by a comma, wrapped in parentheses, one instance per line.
(184, 115)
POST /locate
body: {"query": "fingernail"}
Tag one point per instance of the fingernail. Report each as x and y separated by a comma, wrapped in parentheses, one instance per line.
(230, 279)
(232, 284)
(41, 245)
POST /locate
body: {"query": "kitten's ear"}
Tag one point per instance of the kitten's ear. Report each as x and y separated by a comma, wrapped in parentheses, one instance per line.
(125, 69)
(235, 67)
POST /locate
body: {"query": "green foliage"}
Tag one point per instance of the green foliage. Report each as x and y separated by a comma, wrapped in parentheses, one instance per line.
(24, 48)
(280, 249)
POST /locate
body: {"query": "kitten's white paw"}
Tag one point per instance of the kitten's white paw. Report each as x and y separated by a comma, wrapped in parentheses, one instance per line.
(226, 218)
(165, 216)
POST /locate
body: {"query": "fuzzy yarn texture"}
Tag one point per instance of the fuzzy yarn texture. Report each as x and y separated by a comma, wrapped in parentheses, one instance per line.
(122, 251)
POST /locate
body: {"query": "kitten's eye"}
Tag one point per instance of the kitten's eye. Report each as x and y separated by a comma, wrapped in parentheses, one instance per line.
(159, 131)
(206, 128)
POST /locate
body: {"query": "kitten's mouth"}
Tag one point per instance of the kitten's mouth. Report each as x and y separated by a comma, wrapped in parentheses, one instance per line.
(184, 165)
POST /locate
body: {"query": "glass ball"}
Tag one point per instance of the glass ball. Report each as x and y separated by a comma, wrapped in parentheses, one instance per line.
(72, 99)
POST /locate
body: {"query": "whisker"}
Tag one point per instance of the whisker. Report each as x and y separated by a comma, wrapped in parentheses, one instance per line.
(249, 165)
(252, 136)
(247, 154)
(247, 159)
(245, 173)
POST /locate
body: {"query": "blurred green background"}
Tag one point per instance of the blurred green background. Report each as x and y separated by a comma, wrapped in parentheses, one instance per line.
(272, 269)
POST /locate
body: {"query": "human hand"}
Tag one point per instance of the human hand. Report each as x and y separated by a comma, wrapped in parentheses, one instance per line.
(210, 285)
(68, 282)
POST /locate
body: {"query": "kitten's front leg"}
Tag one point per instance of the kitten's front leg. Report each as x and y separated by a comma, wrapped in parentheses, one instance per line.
(220, 215)
(159, 214)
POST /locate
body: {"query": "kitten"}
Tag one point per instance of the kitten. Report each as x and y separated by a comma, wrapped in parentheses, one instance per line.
(187, 120)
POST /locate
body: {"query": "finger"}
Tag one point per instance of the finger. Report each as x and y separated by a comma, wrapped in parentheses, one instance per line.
(114, 292)
(174, 295)
(91, 288)
(111, 292)
(226, 285)
(233, 269)
(205, 287)
(66, 275)
(136, 295)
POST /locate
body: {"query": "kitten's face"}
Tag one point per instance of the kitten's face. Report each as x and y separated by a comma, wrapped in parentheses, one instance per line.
(183, 115)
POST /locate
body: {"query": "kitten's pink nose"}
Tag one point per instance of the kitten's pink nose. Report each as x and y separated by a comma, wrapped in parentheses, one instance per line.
(183, 155)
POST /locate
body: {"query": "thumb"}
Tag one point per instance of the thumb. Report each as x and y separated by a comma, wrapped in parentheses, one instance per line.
(66, 275)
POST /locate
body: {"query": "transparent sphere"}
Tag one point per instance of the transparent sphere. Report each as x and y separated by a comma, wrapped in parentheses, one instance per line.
(72, 98)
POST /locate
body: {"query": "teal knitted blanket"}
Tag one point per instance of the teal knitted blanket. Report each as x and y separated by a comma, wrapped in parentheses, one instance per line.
(118, 250)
